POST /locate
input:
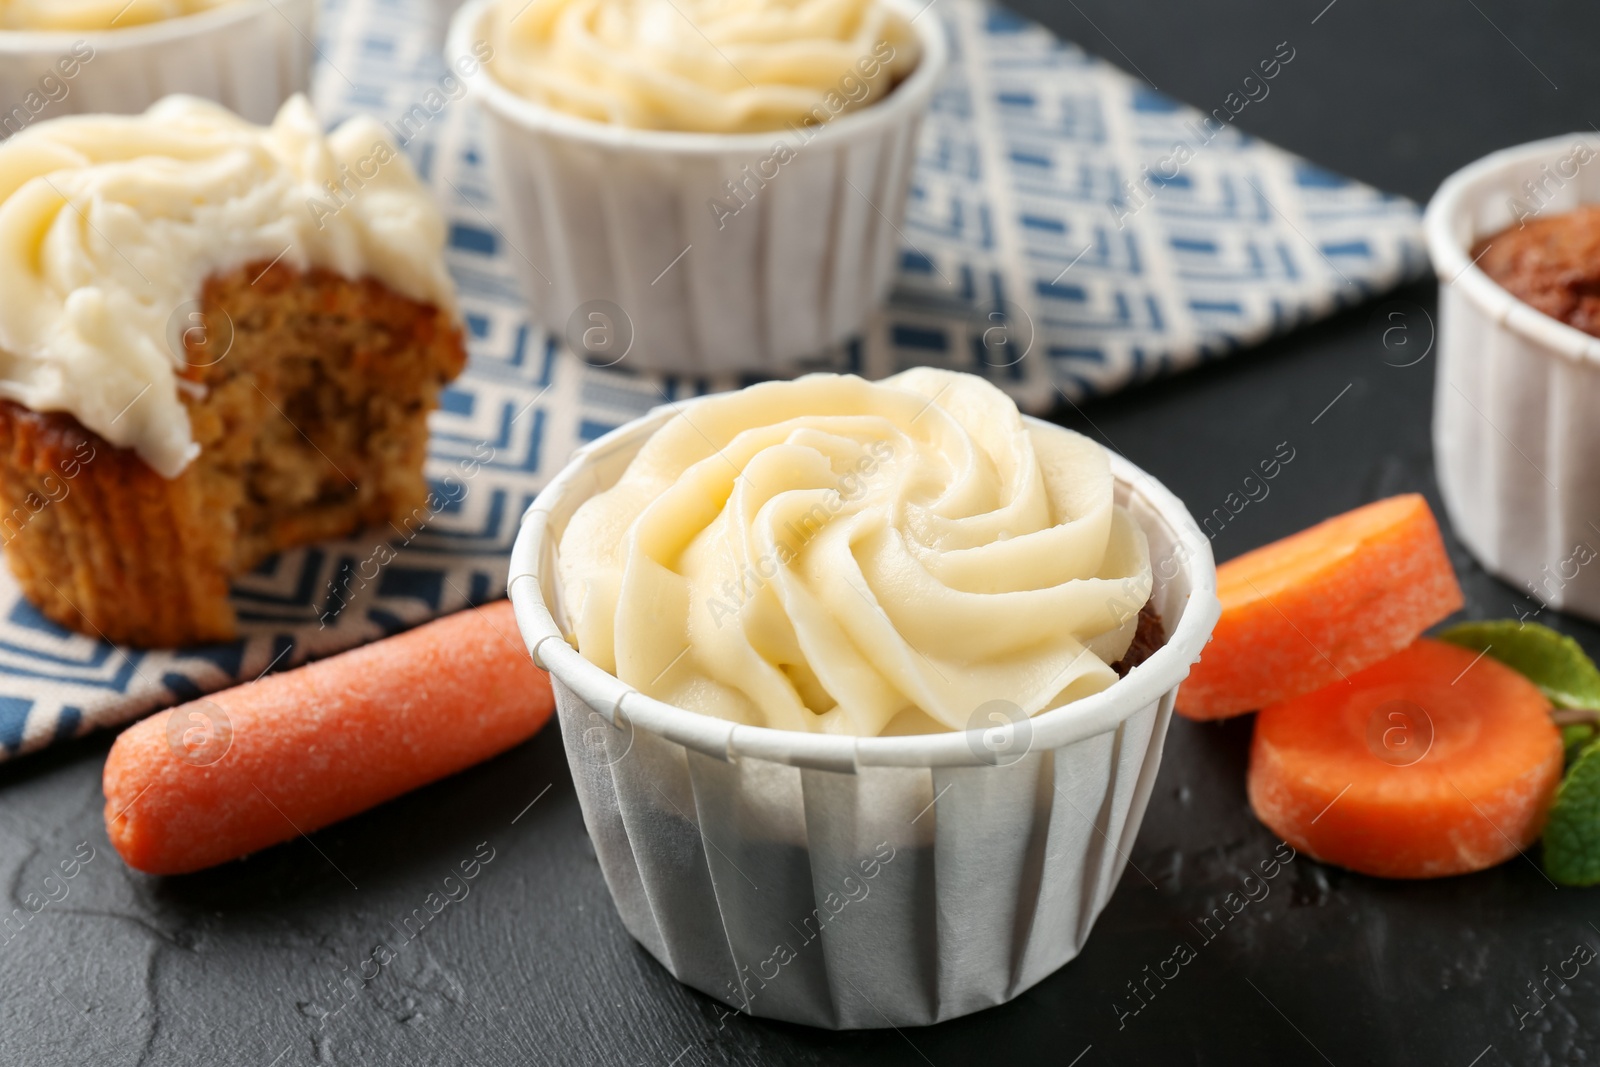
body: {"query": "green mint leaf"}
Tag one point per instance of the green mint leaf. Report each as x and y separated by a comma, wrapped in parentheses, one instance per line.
(1572, 836)
(1552, 661)
(1574, 739)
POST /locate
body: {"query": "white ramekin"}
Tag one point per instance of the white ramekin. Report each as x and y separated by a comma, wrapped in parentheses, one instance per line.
(616, 218)
(1516, 437)
(723, 844)
(250, 56)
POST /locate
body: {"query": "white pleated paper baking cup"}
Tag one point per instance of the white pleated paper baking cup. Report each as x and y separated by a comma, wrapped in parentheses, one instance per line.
(848, 882)
(604, 218)
(250, 56)
(1516, 434)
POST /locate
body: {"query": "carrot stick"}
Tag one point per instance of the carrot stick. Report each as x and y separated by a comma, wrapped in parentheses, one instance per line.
(222, 777)
(1433, 762)
(1320, 604)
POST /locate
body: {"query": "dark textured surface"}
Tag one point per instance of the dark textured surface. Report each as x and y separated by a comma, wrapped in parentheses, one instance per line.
(533, 967)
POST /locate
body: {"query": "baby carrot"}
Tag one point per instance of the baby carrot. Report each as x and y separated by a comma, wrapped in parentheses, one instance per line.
(1433, 762)
(222, 777)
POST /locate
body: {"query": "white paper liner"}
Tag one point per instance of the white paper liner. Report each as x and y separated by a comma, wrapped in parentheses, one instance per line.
(604, 213)
(947, 884)
(1515, 431)
(249, 56)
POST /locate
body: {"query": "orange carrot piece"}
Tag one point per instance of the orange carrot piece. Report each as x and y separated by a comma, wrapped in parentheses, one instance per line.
(1305, 611)
(1433, 762)
(222, 777)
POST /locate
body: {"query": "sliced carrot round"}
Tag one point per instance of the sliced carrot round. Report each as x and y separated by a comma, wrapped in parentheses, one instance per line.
(1305, 611)
(1433, 762)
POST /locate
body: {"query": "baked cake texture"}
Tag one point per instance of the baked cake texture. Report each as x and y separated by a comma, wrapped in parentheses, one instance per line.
(218, 340)
(311, 422)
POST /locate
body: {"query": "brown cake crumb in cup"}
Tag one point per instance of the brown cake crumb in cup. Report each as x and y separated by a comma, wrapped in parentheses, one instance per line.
(1149, 636)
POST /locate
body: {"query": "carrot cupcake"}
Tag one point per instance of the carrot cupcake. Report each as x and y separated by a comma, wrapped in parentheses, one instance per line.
(722, 180)
(863, 685)
(74, 57)
(95, 14)
(217, 341)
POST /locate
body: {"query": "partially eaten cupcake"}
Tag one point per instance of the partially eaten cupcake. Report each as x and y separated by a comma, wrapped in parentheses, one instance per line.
(217, 341)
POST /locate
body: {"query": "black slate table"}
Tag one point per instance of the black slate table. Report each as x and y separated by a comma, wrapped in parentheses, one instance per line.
(241, 967)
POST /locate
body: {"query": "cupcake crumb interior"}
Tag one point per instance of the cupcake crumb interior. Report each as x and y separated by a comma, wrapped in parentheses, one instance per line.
(311, 417)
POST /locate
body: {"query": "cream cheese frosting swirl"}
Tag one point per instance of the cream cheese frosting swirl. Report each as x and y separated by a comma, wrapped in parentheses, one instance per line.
(713, 66)
(95, 14)
(837, 556)
(109, 227)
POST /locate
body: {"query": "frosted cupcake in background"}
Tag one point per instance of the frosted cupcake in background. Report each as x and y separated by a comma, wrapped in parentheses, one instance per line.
(68, 57)
(863, 685)
(96, 14)
(703, 66)
(218, 341)
(716, 185)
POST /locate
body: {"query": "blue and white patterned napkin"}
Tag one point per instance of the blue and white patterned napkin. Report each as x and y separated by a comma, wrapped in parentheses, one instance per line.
(1051, 198)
